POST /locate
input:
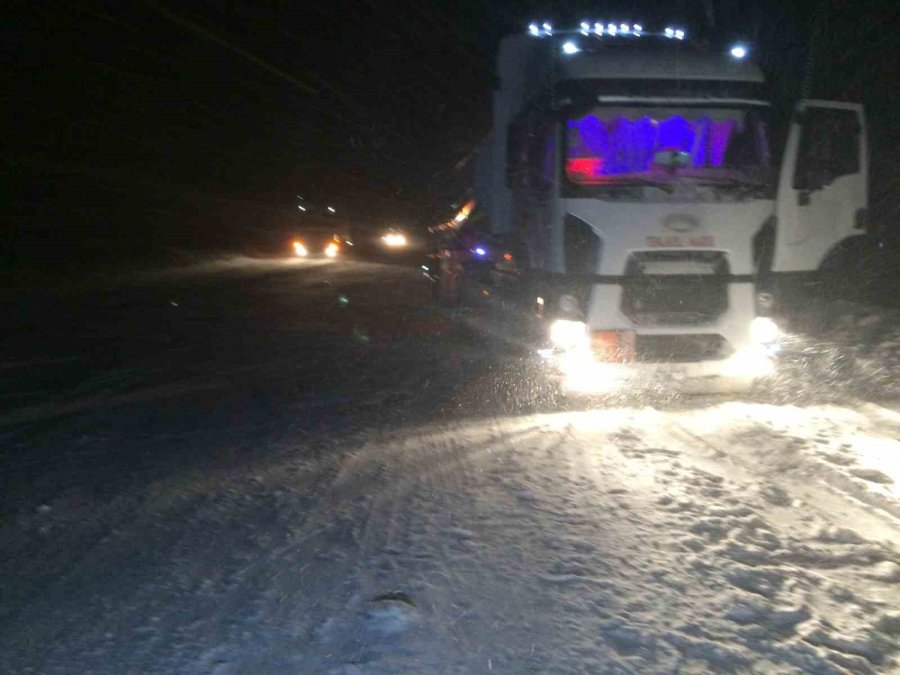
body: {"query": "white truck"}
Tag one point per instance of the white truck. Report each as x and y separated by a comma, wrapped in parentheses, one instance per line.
(631, 173)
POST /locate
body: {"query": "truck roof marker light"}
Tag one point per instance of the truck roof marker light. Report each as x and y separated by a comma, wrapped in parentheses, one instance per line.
(548, 29)
(570, 47)
(612, 29)
(738, 52)
(585, 28)
(598, 28)
(624, 28)
(638, 29)
(679, 35)
(669, 32)
(533, 29)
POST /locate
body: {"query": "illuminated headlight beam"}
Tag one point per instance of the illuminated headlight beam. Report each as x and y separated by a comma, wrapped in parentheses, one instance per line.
(764, 331)
(394, 240)
(569, 335)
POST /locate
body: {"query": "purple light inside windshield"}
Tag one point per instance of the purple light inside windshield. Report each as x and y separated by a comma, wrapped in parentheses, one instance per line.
(480, 251)
(624, 146)
(720, 135)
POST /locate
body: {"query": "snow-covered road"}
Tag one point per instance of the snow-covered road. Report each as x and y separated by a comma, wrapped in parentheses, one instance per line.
(616, 541)
(731, 538)
(688, 536)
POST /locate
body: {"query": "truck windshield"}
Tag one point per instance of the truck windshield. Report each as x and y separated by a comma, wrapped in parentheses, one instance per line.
(618, 146)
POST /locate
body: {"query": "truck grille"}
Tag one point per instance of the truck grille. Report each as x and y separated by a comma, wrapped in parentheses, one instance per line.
(695, 293)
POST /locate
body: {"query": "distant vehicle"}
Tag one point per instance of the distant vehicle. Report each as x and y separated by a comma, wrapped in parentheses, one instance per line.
(323, 242)
(394, 240)
(391, 245)
(653, 230)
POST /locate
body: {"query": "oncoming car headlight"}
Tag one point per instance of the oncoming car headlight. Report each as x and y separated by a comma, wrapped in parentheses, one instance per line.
(331, 250)
(569, 335)
(300, 249)
(394, 240)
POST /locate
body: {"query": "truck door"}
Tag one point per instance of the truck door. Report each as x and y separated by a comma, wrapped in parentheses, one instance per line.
(823, 186)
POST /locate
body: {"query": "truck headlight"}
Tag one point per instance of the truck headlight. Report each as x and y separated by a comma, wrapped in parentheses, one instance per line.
(764, 331)
(568, 335)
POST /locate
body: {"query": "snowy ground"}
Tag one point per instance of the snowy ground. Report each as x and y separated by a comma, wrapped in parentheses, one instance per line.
(484, 529)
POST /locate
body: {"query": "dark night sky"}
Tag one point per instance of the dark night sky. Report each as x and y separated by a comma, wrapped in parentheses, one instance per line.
(150, 123)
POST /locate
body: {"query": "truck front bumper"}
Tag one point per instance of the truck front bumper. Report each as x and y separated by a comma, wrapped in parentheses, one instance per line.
(581, 373)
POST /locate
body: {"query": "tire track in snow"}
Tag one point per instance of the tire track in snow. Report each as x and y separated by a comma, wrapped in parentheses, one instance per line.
(823, 563)
(391, 518)
(560, 531)
(579, 542)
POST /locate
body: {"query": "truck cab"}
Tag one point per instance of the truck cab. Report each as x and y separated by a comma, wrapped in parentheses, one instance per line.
(658, 229)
